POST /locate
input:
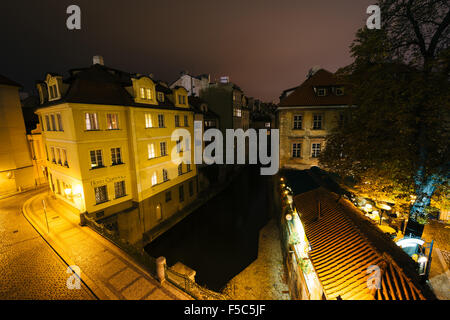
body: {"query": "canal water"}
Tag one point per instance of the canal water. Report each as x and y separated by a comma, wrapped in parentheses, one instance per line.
(220, 239)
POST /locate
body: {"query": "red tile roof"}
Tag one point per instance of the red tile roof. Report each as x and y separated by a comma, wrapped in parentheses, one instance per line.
(304, 95)
(344, 244)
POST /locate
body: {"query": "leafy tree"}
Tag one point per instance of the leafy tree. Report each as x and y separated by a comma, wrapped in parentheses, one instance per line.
(396, 139)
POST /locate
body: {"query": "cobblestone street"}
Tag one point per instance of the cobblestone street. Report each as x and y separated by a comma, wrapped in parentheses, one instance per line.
(29, 268)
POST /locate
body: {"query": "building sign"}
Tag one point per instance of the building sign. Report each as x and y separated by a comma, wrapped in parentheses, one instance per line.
(102, 182)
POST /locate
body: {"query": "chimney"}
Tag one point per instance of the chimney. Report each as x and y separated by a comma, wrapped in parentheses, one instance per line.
(98, 60)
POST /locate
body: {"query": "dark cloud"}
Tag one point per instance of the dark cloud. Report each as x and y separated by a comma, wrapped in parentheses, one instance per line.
(265, 46)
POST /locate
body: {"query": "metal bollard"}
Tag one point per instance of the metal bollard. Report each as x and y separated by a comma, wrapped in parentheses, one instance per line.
(161, 269)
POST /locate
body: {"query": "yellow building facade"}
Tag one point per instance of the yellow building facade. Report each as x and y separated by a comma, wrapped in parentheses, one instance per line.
(16, 168)
(107, 136)
(306, 115)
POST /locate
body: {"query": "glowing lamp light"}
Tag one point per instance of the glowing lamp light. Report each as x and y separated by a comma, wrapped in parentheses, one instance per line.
(78, 190)
(282, 179)
(288, 217)
(68, 191)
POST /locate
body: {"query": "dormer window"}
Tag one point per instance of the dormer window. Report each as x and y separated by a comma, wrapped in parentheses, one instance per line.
(53, 92)
(321, 92)
(160, 97)
(149, 94)
(339, 91)
(142, 92)
(181, 99)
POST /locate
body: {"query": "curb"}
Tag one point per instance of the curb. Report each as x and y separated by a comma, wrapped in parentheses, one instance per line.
(90, 284)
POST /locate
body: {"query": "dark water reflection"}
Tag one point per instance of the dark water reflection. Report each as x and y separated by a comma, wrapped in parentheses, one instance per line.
(220, 239)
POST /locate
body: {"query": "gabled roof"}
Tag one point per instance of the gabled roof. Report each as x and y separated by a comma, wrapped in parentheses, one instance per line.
(5, 81)
(99, 84)
(344, 244)
(304, 95)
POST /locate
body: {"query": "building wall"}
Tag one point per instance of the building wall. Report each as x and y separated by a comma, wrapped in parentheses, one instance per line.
(38, 155)
(16, 171)
(306, 136)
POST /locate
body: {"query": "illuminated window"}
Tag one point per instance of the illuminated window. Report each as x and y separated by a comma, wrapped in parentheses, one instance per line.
(142, 93)
(101, 194)
(148, 120)
(112, 120)
(91, 121)
(158, 212)
(149, 94)
(154, 179)
(119, 189)
(315, 150)
(151, 151)
(116, 156)
(296, 150)
(165, 175)
(237, 112)
(298, 122)
(317, 121)
(96, 159)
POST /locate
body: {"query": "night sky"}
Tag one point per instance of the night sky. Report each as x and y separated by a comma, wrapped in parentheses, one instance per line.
(265, 46)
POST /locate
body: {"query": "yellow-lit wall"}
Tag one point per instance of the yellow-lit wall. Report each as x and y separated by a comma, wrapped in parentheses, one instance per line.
(307, 136)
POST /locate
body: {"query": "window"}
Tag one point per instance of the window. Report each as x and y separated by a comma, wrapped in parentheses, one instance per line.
(60, 125)
(160, 97)
(321, 92)
(179, 146)
(181, 193)
(47, 123)
(149, 94)
(317, 122)
(148, 120)
(101, 194)
(161, 120)
(52, 117)
(58, 153)
(296, 150)
(163, 148)
(177, 121)
(151, 151)
(112, 120)
(188, 167)
(339, 91)
(165, 175)
(46, 152)
(142, 91)
(191, 188)
(53, 92)
(96, 159)
(52, 150)
(91, 121)
(237, 112)
(64, 155)
(168, 196)
(315, 150)
(154, 179)
(181, 99)
(298, 122)
(119, 189)
(186, 121)
(180, 169)
(158, 212)
(116, 156)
